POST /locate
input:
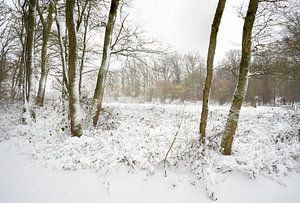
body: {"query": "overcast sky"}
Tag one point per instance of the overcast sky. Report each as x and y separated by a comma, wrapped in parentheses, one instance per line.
(185, 24)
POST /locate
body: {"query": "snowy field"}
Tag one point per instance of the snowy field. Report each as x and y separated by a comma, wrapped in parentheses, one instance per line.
(122, 159)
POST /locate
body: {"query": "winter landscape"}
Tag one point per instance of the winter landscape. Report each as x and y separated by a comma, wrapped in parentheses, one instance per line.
(100, 101)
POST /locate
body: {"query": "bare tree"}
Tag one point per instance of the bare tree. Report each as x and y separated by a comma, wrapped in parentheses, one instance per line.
(29, 91)
(46, 25)
(99, 90)
(209, 66)
(239, 94)
(18, 26)
(7, 45)
(74, 105)
(62, 53)
(86, 17)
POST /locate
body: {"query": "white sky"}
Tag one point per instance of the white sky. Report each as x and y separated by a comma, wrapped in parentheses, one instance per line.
(185, 24)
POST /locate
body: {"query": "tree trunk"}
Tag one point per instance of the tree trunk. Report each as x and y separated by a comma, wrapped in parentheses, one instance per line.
(62, 53)
(99, 90)
(209, 68)
(240, 91)
(2, 70)
(74, 105)
(29, 91)
(86, 25)
(274, 96)
(44, 70)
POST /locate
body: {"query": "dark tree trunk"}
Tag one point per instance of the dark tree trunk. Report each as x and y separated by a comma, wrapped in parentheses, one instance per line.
(86, 24)
(209, 66)
(44, 69)
(29, 91)
(99, 90)
(62, 54)
(74, 105)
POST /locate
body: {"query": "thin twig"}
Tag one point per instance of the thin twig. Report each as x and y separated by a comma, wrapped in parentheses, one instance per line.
(174, 139)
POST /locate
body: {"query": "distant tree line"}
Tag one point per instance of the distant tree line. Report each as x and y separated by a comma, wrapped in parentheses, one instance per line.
(274, 77)
(167, 78)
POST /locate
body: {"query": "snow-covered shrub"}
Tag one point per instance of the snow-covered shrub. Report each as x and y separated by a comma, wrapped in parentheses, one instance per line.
(137, 137)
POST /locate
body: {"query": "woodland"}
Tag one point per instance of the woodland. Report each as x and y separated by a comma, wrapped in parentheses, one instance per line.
(82, 86)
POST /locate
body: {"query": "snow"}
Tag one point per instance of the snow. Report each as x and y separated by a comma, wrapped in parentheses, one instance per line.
(121, 160)
(23, 181)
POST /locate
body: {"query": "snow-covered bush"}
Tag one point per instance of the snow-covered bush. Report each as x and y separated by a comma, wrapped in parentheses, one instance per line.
(137, 137)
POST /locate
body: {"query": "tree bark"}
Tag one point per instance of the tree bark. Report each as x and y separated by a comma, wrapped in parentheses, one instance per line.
(62, 54)
(86, 24)
(240, 91)
(74, 105)
(209, 68)
(29, 92)
(99, 90)
(44, 69)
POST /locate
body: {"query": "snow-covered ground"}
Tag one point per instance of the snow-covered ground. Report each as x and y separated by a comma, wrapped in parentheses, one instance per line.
(122, 159)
